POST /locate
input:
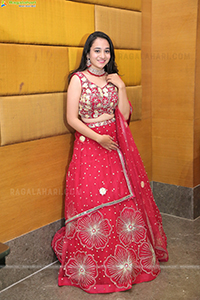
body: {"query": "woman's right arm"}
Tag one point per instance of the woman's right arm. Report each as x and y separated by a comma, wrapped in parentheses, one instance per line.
(73, 96)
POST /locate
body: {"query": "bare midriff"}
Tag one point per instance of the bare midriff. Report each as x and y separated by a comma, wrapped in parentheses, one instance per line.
(101, 118)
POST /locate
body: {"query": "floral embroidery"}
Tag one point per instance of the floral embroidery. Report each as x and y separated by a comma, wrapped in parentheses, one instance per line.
(94, 230)
(82, 270)
(100, 91)
(87, 97)
(83, 79)
(58, 247)
(149, 261)
(88, 91)
(94, 100)
(123, 267)
(71, 229)
(105, 91)
(130, 226)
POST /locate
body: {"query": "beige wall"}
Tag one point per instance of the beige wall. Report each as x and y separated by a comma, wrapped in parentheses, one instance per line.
(196, 163)
(175, 93)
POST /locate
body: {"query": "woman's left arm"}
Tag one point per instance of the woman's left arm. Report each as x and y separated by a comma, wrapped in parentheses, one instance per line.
(123, 103)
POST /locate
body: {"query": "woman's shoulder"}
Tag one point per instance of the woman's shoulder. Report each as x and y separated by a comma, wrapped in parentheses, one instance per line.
(76, 73)
(78, 78)
(81, 76)
(75, 79)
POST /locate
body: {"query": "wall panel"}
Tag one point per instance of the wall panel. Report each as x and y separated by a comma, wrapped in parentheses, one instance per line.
(141, 131)
(25, 118)
(79, 20)
(175, 172)
(128, 4)
(126, 34)
(197, 108)
(146, 59)
(75, 54)
(173, 84)
(28, 69)
(32, 184)
(172, 151)
(134, 94)
(129, 64)
(50, 22)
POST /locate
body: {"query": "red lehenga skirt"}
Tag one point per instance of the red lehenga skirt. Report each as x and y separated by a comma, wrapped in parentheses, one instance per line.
(113, 235)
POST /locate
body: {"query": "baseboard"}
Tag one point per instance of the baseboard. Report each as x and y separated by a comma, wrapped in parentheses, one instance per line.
(177, 200)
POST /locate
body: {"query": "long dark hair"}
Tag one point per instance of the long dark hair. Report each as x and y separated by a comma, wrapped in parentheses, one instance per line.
(111, 66)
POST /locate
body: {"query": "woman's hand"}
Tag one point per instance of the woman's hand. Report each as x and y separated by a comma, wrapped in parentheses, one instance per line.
(106, 141)
(123, 103)
(116, 80)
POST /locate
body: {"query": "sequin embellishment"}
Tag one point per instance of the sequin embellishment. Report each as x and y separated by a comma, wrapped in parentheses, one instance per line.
(142, 184)
(94, 100)
(102, 191)
(102, 123)
(82, 138)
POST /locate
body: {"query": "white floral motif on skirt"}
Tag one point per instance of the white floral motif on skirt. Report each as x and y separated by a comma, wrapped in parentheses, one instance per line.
(149, 262)
(130, 226)
(94, 230)
(59, 246)
(82, 270)
(123, 267)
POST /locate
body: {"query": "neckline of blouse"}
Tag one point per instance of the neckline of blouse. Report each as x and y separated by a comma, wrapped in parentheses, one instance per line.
(94, 83)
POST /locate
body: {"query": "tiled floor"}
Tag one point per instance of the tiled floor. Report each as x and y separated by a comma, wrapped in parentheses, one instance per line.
(179, 278)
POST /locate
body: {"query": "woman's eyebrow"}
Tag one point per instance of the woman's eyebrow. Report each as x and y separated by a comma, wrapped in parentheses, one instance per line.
(100, 47)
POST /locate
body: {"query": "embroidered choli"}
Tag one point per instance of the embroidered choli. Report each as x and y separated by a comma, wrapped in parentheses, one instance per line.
(94, 100)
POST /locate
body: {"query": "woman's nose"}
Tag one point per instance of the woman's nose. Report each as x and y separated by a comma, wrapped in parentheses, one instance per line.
(103, 54)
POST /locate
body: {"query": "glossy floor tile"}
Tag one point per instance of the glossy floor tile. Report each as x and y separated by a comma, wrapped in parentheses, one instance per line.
(179, 277)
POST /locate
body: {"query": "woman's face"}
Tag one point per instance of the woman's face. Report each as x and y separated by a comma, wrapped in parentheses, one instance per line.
(99, 53)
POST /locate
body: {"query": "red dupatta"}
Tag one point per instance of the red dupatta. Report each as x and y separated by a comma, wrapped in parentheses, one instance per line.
(141, 187)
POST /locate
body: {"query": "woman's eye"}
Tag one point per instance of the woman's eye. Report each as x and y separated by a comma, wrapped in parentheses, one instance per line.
(107, 51)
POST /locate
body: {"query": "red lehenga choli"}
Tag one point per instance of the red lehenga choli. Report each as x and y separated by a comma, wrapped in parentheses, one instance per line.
(113, 237)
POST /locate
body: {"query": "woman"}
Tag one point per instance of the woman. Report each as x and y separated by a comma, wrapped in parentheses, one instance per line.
(113, 236)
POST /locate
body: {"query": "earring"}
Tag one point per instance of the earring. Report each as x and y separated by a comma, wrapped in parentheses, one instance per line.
(88, 62)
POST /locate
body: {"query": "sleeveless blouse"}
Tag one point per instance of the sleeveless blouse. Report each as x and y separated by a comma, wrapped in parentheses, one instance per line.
(94, 100)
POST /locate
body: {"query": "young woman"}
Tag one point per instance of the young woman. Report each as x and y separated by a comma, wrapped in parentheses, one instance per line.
(113, 235)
